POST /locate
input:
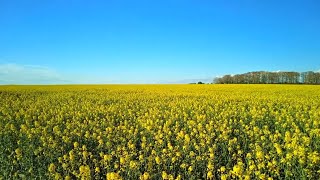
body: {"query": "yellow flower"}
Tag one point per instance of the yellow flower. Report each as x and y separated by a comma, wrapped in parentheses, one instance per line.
(100, 142)
(158, 160)
(57, 176)
(237, 170)
(52, 168)
(223, 169)
(247, 177)
(252, 167)
(210, 166)
(85, 154)
(18, 152)
(314, 157)
(164, 175)
(183, 165)
(259, 155)
(75, 145)
(173, 159)
(209, 175)
(71, 155)
(192, 154)
(278, 148)
(178, 177)
(145, 176)
(106, 157)
(113, 176)
(133, 164)
(97, 169)
(223, 177)
(262, 176)
(122, 160)
(84, 171)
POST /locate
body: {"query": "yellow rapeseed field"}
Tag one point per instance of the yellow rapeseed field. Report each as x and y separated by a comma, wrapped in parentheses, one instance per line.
(160, 132)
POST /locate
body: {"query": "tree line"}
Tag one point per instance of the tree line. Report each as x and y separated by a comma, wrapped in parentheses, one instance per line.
(265, 77)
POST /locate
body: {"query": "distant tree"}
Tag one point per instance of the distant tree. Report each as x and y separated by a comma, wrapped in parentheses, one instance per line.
(227, 79)
(200, 82)
(217, 80)
(263, 77)
(317, 77)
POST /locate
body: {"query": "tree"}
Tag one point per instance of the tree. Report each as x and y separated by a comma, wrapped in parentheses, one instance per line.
(263, 77)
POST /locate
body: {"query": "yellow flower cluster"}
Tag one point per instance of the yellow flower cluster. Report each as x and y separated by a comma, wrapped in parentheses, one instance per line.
(160, 132)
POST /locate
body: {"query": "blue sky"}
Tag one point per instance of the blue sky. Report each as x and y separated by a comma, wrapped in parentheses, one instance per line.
(166, 41)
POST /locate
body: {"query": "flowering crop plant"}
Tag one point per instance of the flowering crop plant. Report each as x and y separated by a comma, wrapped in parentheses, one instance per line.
(160, 132)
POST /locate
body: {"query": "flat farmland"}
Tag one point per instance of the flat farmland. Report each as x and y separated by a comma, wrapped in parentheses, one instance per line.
(160, 132)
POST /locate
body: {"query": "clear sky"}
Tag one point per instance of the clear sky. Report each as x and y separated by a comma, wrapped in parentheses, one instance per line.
(151, 41)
